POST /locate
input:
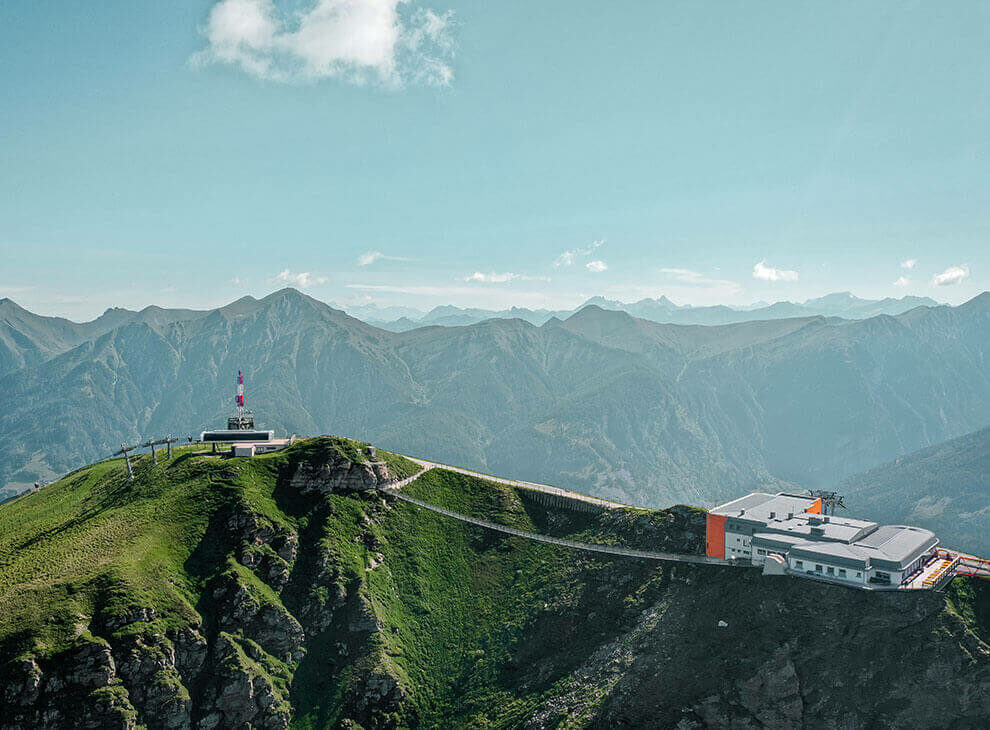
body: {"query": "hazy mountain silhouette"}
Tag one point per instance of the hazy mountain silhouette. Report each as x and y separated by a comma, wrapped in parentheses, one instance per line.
(661, 309)
(602, 402)
(945, 488)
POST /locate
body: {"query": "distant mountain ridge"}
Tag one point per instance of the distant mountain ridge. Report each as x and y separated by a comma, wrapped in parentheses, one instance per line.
(661, 309)
(945, 488)
(28, 339)
(601, 402)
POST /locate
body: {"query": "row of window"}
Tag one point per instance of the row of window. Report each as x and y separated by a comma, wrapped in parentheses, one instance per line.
(829, 570)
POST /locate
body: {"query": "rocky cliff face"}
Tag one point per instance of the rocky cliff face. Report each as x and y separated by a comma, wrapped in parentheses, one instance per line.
(338, 474)
(782, 653)
(326, 605)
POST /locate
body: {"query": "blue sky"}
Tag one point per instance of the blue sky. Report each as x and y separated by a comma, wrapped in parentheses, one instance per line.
(188, 153)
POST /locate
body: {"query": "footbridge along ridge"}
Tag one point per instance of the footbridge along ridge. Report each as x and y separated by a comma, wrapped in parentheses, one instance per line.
(394, 490)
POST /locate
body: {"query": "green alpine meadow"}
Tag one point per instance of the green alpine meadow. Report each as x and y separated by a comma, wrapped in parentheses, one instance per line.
(289, 590)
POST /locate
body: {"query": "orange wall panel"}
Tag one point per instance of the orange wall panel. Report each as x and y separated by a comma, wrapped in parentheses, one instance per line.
(715, 536)
(816, 507)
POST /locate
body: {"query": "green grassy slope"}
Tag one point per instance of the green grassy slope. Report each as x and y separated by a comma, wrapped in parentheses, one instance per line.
(226, 594)
(68, 547)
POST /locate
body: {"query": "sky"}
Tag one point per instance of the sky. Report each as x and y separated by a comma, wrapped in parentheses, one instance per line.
(488, 154)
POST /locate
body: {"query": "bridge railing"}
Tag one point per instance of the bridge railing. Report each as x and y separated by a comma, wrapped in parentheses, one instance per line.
(564, 542)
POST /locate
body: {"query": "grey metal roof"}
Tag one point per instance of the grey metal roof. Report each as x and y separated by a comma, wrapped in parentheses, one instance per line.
(816, 527)
(834, 553)
(775, 541)
(759, 505)
(897, 546)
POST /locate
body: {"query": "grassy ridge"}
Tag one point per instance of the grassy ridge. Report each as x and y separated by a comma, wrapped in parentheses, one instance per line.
(464, 610)
(477, 629)
(95, 541)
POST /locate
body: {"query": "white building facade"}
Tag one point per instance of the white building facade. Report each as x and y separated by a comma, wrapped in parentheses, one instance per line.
(858, 552)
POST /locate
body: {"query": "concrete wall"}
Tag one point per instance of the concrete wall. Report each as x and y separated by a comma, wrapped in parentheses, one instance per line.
(738, 545)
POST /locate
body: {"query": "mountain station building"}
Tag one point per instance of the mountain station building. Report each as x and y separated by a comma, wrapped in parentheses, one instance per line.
(790, 532)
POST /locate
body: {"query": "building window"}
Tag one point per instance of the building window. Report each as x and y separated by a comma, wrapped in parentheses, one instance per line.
(761, 552)
(831, 570)
(858, 574)
(798, 563)
(818, 568)
(842, 572)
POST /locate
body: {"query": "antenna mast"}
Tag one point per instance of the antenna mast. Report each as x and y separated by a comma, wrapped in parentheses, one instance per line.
(239, 398)
(243, 419)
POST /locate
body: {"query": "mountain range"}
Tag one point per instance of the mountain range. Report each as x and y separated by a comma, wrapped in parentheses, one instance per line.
(661, 309)
(601, 402)
(28, 339)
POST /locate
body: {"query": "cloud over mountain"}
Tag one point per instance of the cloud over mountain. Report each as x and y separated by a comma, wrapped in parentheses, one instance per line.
(303, 279)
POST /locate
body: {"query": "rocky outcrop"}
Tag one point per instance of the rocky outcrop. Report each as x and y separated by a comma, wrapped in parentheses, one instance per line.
(242, 692)
(77, 688)
(338, 474)
(141, 673)
(376, 700)
(242, 608)
(269, 550)
(147, 665)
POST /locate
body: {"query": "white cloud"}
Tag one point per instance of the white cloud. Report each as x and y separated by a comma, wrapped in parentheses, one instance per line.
(237, 281)
(568, 257)
(596, 266)
(768, 273)
(360, 41)
(689, 276)
(909, 264)
(952, 275)
(369, 258)
(902, 281)
(302, 280)
(494, 278)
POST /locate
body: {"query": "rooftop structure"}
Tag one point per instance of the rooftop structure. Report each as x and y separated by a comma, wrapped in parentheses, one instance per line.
(791, 528)
(260, 447)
